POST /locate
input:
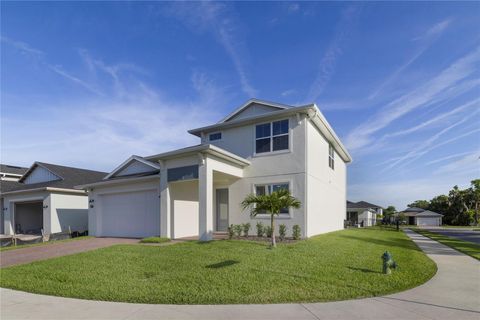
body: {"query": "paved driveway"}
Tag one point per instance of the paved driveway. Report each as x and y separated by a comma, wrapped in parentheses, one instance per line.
(30, 254)
(453, 293)
(466, 235)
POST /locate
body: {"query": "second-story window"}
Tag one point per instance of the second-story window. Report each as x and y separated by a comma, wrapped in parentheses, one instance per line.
(331, 156)
(215, 136)
(272, 136)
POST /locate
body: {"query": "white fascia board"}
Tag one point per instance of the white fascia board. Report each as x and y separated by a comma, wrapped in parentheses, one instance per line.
(63, 190)
(322, 124)
(249, 102)
(127, 162)
(117, 181)
(201, 148)
(235, 123)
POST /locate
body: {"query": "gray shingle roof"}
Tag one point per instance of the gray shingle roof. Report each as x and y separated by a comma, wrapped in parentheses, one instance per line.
(361, 205)
(71, 177)
(12, 169)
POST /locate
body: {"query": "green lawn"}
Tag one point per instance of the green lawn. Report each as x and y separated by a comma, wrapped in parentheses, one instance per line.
(154, 240)
(42, 243)
(466, 247)
(336, 266)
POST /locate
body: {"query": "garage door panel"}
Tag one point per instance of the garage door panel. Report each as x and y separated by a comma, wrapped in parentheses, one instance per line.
(130, 214)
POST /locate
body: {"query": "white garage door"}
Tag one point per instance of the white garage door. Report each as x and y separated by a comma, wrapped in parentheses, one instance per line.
(132, 214)
(427, 221)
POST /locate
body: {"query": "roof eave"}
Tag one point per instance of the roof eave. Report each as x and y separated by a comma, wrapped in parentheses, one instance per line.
(197, 132)
(206, 148)
(52, 189)
(118, 181)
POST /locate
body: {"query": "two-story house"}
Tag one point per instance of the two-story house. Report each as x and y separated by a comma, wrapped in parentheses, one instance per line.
(196, 191)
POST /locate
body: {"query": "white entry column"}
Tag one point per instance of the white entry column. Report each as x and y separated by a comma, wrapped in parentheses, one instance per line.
(165, 219)
(205, 198)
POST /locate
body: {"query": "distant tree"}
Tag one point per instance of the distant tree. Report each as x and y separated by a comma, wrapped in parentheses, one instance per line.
(439, 204)
(475, 189)
(390, 210)
(423, 204)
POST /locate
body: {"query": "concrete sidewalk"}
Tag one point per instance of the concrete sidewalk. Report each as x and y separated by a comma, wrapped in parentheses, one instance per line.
(453, 293)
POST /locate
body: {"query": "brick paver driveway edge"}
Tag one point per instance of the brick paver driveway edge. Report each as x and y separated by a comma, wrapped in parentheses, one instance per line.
(35, 253)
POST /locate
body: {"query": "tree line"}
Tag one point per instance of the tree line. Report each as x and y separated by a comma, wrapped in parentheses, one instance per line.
(460, 207)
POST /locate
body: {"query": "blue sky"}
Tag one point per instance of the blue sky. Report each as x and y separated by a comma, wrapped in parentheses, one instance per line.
(88, 84)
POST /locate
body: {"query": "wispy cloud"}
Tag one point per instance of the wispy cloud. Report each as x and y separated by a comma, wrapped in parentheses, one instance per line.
(435, 120)
(468, 163)
(425, 146)
(23, 47)
(427, 39)
(215, 17)
(328, 62)
(40, 57)
(453, 156)
(111, 126)
(419, 97)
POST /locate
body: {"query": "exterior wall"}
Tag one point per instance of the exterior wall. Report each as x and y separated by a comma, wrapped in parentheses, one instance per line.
(135, 167)
(40, 174)
(326, 188)
(282, 166)
(9, 204)
(184, 208)
(68, 211)
(368, 218)
(59, 211)
(95, 205)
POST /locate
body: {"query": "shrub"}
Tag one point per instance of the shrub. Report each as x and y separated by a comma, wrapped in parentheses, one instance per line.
(238, 230)
(154, 240)
(296, 232)
(260, 229)
(282, 230)
(268, 231)
(246, 228)
(230, 232)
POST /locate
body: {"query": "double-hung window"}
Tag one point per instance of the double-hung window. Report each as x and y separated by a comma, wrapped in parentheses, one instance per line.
(272, 136)
(331, 157)
(265, 189)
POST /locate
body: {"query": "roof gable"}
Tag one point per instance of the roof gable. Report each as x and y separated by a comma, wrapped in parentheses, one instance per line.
(39, 173)
(253, 107)
(133, 166)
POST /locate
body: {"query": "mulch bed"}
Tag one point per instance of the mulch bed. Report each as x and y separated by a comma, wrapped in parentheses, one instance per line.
(264, 239)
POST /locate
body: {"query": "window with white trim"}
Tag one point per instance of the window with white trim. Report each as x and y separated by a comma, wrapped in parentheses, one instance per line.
(272, 136)
(264, 189)
(331, 157)
(215, 136)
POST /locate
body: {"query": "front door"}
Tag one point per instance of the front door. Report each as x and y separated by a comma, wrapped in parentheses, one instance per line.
(222, 209)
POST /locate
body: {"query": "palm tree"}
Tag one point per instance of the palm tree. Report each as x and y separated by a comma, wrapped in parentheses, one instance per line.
(272, 204)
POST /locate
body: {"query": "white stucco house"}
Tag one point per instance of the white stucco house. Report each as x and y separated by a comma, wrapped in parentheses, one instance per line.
(43, 200)
(196, 191)
(421, 217)
(363, 213)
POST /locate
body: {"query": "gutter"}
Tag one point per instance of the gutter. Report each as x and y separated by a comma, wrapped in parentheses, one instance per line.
(44, 189)
(116, 181)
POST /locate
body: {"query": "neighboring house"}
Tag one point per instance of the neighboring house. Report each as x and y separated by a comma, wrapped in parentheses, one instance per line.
(421, 217)
(196, 191)
(11, 173)
(43, 199)
(363, 213)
